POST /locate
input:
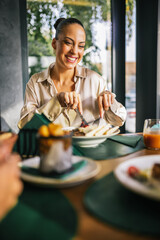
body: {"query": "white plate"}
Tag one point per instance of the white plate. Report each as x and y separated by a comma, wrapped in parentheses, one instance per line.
(143, 163)
(87, 172)
(86, 142)
(69, 128)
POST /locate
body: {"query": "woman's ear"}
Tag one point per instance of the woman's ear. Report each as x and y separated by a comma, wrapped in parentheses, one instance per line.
(54, 43)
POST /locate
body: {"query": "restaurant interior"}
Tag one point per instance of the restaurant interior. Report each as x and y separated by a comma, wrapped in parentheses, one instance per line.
(101, 201)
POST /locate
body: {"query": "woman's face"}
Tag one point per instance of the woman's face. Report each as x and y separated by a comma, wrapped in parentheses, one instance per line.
(70, 46)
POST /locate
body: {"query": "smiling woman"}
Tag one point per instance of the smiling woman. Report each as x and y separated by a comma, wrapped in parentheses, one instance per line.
(68, 44)
(65, 86)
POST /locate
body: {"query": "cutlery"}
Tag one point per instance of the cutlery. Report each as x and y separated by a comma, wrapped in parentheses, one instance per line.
(94, 121)
(84, 122)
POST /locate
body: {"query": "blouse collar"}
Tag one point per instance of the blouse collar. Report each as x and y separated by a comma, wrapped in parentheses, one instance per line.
(45, 75)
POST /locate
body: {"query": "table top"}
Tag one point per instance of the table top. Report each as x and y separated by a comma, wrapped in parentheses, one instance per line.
(89, 227)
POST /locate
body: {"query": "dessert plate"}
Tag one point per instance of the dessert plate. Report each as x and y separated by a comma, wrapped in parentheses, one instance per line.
(83, 169)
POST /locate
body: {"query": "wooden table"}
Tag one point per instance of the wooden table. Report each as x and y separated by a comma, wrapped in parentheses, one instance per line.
(90, 228)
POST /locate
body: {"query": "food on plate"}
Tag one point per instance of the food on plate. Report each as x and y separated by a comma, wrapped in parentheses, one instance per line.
(103, 130)
(150, 176)
(156, 171)
(95, 130)
(111, 130)
(137, 174)
(83, 130)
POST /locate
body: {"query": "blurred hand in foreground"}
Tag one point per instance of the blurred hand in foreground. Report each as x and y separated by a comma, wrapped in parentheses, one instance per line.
(7, 141)
(10, 184)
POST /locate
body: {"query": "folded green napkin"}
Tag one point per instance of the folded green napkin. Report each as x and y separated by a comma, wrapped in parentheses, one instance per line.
(37, 121)
(127, 140)
(111, 148)
(27, 143)
(35, 172)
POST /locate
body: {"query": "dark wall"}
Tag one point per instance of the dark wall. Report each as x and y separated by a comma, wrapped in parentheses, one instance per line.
(158, 64)
(146, 61)
(118, 51)
(11, 92)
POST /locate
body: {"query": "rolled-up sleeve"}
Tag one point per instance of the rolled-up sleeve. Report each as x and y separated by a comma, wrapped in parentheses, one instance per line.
(116, 115)
(30, 105)
(51, 108)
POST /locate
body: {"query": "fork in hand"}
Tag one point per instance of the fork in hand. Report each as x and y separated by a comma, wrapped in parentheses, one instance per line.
(84, 123)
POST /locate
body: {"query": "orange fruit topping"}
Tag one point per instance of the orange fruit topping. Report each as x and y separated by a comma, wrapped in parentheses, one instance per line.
(44, 131)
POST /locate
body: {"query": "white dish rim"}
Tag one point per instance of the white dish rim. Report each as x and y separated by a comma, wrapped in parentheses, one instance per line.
(60, 183)
(132, 184)
(96, 137)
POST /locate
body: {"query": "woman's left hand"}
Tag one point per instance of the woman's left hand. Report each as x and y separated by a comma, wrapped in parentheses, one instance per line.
(105, 99)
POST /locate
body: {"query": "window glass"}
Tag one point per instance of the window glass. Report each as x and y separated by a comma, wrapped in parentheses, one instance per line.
(130, 74)
(96, 18)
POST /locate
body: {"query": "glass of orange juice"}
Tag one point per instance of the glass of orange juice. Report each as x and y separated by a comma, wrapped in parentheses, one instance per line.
(151, 133)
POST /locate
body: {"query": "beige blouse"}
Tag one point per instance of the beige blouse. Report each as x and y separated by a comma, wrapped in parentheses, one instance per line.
(41, 97)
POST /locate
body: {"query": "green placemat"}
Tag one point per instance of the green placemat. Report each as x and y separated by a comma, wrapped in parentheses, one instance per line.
(109, 201)
(111, 148)
(41, 213)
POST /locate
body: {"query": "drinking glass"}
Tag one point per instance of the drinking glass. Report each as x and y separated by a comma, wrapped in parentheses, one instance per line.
(151, 133)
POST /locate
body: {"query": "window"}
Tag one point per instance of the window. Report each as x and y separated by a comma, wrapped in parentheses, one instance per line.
(130, 65)
(96, 17)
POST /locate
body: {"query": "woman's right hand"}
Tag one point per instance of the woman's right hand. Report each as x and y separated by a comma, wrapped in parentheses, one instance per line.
(10, 183)
(70, 99)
